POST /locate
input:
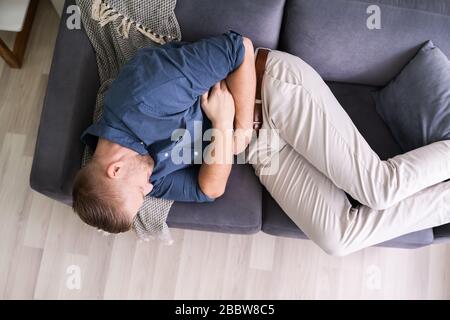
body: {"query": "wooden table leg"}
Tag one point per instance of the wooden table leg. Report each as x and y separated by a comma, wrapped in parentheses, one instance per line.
(9, 56)
(14, 58)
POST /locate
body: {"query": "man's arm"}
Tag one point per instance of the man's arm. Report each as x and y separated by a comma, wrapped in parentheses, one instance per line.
(207, 61)
(215, 170)
(242, 85)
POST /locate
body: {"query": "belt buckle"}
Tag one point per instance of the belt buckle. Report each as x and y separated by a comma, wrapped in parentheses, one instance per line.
(256, 126)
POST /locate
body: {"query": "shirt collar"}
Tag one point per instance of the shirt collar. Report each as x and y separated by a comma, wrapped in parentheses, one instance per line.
(90, 137)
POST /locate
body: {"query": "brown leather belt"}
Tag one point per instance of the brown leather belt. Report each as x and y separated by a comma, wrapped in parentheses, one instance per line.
(260, 66)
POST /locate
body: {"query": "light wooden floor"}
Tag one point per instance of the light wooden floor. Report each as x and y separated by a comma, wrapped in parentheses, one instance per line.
(41, 240)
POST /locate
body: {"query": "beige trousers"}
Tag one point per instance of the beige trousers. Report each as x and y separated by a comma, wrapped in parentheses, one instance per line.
(321, 154)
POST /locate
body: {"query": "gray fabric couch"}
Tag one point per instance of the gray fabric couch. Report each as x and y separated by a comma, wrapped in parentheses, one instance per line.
(332, 36)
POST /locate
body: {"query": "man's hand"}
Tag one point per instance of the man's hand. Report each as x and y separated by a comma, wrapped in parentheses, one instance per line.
(219, 105)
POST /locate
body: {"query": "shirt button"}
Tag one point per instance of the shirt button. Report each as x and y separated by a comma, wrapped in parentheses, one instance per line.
(166, 154)
(142, 143)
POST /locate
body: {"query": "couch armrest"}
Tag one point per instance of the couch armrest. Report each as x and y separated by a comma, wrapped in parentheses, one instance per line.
(67, 111)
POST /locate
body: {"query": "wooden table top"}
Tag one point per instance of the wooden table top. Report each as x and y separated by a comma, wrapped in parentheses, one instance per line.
(12, 14)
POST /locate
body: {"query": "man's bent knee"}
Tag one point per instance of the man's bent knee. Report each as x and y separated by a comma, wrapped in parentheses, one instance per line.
(337, 249)
(333, 244)
(380, 203)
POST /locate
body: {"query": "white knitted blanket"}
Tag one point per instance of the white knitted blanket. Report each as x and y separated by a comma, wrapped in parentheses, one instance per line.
(116, 29)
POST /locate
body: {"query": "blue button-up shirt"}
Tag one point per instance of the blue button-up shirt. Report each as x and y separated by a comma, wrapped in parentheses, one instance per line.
(157, 92)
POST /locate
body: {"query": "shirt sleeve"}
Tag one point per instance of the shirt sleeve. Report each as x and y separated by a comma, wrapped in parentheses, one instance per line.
(181, 185)
(205, 62)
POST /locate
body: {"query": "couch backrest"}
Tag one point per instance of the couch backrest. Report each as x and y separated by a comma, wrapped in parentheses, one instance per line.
(259, 20)
(333, 37)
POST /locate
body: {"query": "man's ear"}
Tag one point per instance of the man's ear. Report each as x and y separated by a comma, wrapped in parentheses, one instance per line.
(115, 170)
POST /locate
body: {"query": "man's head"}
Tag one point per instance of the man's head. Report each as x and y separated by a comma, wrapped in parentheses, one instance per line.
(110, 189)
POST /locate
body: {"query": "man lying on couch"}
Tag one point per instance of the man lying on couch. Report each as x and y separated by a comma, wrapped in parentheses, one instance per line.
(157, 92)
(321, 154)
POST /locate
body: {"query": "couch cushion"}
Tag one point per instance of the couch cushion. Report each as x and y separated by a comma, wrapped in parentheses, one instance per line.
(358, 102)
(333, 37)
(416, 104)
(237, 211)
(259, 20)
(277, 223)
